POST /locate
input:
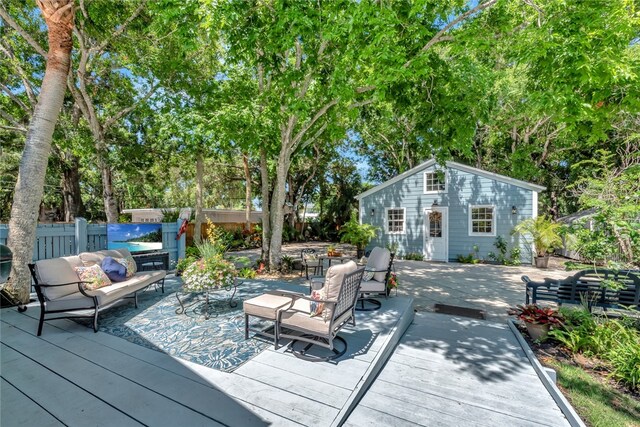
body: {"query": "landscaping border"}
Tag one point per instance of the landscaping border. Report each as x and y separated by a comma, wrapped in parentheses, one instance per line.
(562, 402)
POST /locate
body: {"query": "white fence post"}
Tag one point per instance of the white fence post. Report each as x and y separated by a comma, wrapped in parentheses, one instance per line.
(81, 235)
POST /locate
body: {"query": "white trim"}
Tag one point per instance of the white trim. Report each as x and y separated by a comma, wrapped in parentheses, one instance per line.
(404, 220)
(493, 221)
(445, 231)
(454, 165)
(424, 181)
(534, 204)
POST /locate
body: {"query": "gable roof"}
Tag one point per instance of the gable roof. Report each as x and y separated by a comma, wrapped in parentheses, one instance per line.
(454, 165)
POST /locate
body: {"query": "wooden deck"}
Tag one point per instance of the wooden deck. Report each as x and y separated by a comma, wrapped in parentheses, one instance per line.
(452, 371)
(71, 376)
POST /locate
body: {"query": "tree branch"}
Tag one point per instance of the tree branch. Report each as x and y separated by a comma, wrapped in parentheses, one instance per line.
(16, 99)
(16, 124)
(438, 37)
(13, 24)
(110, 121)
(314, 137)
(311, 122)
(6, 49)
(121, 29)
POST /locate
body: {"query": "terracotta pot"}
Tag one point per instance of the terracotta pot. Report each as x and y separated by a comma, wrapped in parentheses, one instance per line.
(537, 331)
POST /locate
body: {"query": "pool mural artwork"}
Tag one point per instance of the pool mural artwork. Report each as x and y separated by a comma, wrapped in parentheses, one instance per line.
(135, 237)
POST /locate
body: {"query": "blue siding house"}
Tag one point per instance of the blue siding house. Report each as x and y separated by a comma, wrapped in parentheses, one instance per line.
(442, 212)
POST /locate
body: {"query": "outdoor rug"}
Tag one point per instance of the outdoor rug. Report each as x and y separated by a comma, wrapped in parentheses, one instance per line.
(217, 342)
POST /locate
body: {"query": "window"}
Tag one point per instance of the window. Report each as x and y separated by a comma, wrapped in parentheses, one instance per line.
(482, 221)
(434, 182)
(395, 220)
(435, 224)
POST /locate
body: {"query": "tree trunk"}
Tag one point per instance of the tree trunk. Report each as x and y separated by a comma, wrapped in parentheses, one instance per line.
(58, 15)
(277, 209)
(108, 197)
(247, 194)
(197, 233)
(72, 195)
(266, 216)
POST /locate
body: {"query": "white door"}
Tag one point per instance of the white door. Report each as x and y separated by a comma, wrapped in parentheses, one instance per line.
(436, 234)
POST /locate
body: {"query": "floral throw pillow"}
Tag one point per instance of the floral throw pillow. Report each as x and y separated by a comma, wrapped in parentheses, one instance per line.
(368, 274)
(94, 277)
(316, 307)
(129, 265)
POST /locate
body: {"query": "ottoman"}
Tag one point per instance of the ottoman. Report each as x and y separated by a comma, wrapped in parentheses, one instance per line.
(265, 307)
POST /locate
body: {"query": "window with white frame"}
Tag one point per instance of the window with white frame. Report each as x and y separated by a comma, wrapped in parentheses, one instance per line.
(482, 220)
(395, 220)
(434, 182)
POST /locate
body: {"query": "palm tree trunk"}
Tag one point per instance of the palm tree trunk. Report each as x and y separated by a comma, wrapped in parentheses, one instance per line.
(59, 16)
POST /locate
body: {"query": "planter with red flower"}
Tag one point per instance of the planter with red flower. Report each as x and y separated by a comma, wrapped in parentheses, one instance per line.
(537, 320)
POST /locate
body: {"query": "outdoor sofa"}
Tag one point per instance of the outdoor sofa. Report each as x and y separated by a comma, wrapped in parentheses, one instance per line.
(62, 294)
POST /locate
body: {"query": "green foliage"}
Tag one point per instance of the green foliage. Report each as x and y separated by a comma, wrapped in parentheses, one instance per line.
(598, 403)
(286, 265)
(615, 341)
(393, 247)
(357, 234)
(183, 263)
(170, 215)
(414, 256)
(501, 257)
(542, 232)
(247, 273)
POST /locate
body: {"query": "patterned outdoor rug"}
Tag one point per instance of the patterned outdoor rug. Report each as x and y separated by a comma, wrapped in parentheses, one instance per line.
(217, 342)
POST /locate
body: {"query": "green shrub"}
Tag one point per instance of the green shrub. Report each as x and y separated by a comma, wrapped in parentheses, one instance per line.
(247, 273)
(192, 251)
(286, 264)
(170, 215)
(414, 256)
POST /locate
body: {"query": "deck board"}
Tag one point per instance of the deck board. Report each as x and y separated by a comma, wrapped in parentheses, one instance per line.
(20, 410)
(450, 371)
(272, 388)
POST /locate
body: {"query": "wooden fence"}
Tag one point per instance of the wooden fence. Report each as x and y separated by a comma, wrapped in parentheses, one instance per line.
(56, 240)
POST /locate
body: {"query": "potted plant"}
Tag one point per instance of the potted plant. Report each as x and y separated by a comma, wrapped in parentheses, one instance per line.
(357, 234)
(210, 270)
(537, 320)
(544, 234)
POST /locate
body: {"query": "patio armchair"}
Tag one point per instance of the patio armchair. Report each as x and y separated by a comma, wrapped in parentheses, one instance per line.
(310, 260)
(313, 321)
(376, 276)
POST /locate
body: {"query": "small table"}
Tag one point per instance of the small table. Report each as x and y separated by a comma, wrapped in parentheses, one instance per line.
(341, 258)
(183, 308)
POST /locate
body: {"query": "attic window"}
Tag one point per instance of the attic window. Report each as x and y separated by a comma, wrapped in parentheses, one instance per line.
(434, 182)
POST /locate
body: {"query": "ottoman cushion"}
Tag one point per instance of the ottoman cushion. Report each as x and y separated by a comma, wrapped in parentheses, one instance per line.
(266, 305)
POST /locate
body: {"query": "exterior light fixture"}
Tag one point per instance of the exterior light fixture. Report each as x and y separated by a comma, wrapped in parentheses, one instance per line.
(514, 210)
(435, 202)
(373, 212)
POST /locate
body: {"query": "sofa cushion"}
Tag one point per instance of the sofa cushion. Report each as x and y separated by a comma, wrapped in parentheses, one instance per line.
(92, 258)
(94, 277)
(73, 301)
(129, 264)
(55, 271)
(118, 290)
(379, 261)
(115, 271)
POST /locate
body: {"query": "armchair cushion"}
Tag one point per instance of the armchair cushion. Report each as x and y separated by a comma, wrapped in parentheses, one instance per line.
(333, 283)
(379, 262)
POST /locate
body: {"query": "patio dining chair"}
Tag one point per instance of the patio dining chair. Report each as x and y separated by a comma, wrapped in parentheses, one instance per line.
(310, 260)
(315, 320)
(376, 276)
